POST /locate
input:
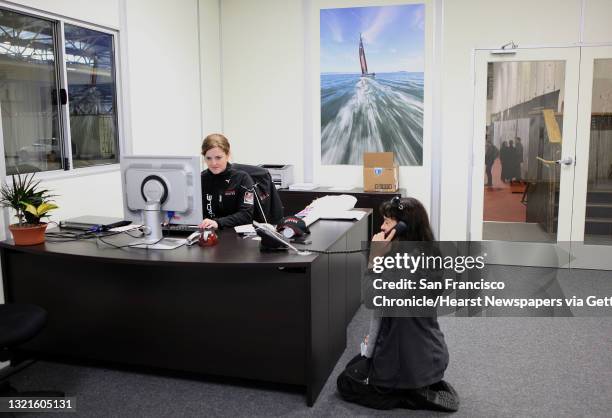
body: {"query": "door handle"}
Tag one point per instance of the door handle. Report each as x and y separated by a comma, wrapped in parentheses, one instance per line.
(546, 161)
(565, 161)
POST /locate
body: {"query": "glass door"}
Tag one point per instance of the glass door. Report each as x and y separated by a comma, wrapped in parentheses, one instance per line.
(524, 151)
(592, 206)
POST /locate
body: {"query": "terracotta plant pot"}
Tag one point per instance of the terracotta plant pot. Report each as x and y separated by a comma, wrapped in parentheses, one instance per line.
(28, 234)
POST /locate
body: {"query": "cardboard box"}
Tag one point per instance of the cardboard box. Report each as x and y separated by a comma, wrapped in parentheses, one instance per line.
(380, 173)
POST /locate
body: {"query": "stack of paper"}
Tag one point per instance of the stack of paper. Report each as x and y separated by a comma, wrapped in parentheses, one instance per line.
(331, 207)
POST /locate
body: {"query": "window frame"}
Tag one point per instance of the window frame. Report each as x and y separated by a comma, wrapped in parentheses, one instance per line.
(62, 81)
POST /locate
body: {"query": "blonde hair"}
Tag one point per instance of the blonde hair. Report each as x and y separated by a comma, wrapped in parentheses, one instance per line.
(215, 140)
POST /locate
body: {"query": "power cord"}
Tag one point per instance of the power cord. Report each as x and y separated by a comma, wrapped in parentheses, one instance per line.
(94, 233)
(141, 246)
(70, 236)
(110, 244)
(334, 252)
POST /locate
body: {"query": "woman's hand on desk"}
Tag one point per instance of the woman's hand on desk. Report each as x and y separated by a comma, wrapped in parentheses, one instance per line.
(209, 223)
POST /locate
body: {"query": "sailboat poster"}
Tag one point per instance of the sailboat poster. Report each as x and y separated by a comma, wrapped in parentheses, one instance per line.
(372, 87)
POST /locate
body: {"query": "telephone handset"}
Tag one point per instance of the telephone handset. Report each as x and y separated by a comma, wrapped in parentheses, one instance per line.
(400, 227)
(193, 238)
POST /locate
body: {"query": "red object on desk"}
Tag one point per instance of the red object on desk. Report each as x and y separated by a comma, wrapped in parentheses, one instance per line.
(208, 238)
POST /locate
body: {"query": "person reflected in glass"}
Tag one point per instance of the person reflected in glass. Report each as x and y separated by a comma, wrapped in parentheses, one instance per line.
(491, 154)
(513, 163)
(504, 154)
(518, 144)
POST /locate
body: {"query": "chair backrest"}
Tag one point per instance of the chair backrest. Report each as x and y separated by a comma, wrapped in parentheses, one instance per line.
(270, 201)
(19, 323)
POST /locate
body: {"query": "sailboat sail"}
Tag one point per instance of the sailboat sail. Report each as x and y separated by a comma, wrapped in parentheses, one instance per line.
(362, 58)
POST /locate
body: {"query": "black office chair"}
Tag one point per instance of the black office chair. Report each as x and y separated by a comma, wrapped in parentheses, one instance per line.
(18, 324)
(270, 207)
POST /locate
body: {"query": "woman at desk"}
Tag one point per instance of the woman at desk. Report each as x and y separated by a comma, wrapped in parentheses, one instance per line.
(227, 193)
(403, 359)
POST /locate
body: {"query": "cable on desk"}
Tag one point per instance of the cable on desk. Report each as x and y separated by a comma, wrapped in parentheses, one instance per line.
(334, 252)
(138, 246)
(71, 236)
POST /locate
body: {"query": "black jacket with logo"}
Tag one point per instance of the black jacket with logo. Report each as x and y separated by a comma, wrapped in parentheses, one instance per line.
(227, 197)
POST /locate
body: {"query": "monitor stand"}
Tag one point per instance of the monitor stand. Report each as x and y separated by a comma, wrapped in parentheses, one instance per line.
(154, 239)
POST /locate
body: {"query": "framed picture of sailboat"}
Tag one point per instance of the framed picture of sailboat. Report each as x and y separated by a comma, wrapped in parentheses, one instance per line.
(372, 83)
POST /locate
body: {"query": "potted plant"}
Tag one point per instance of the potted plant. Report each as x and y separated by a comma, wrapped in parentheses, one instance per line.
(30, 203)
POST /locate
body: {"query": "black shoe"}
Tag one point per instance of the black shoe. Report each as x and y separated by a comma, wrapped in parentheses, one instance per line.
(440, 396)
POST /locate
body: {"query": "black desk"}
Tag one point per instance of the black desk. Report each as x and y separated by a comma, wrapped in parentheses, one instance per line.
(228, 310)
(296, 200)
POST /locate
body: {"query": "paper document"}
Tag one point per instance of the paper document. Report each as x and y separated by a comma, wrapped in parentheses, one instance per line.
(344, 214)
(164, 244)
(331, 207)
(250, 229)
(244, 229)
(337, 202)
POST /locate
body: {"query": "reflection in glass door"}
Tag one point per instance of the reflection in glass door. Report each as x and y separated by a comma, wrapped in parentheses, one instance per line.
(592, 207)
(525, 101)
(598, 216)
(523, 154)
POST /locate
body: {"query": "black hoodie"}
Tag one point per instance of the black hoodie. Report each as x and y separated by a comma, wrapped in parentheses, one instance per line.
(227, 197)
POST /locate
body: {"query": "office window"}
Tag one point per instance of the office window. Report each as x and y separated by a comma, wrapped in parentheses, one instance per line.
(57, 94)
(91, 90)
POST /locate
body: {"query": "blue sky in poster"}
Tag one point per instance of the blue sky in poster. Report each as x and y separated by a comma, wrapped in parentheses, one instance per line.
(393, 38)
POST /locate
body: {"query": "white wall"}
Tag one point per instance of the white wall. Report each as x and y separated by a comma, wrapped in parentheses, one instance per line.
(164, 76)
(262, 61)
(98, 194)
(597, 26)
(210, 64)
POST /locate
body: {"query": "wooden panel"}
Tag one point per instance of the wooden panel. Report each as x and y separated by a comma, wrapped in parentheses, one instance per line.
(204, 319)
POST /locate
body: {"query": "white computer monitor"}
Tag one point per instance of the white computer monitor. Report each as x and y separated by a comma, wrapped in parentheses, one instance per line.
(154, 186)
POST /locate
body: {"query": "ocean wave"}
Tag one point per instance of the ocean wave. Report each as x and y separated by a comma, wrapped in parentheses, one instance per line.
(362, 114)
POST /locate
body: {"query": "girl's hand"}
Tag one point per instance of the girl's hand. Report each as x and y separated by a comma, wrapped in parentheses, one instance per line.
(382, 246)
(381, 236)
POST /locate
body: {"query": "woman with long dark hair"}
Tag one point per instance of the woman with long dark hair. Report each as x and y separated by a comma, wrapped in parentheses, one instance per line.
(403, 359)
